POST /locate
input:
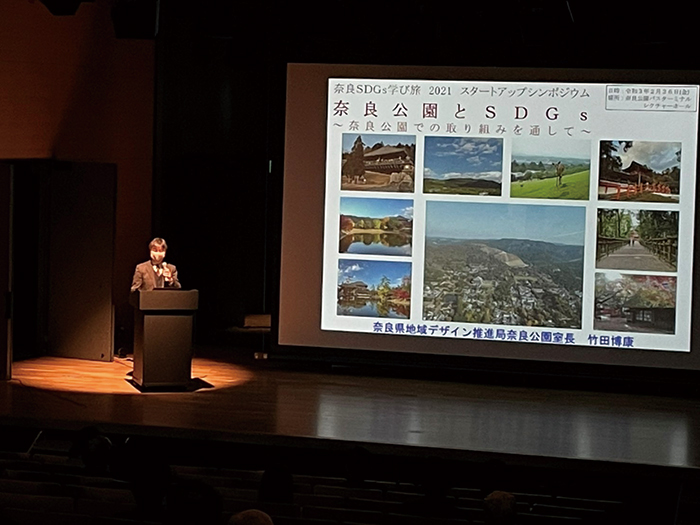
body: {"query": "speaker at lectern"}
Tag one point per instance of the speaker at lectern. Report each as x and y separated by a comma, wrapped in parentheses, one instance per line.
(163, 338)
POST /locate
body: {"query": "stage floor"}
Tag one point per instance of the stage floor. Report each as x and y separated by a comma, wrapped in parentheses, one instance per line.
(258, 403)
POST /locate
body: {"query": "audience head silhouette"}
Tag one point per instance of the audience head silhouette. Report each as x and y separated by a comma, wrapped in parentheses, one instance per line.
(500, 508)
(250, 517)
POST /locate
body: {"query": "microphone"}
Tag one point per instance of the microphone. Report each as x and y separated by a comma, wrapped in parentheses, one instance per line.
(166, 272)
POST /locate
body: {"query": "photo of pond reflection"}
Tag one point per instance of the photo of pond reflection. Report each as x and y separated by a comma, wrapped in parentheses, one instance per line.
(376, 226)
(374, 288)
(373, 309)
(377, 243)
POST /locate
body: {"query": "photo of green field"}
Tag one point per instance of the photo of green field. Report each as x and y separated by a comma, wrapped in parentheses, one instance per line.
(546, 168)
(574, 186)
(461, 187)
(463, 166)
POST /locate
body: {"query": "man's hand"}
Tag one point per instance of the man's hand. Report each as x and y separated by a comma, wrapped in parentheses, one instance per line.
(167, 274)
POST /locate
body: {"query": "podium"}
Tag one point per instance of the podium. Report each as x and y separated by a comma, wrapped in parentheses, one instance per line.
(163, 320)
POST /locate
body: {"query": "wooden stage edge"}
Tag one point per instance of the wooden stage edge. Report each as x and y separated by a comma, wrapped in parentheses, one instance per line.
(256, 404)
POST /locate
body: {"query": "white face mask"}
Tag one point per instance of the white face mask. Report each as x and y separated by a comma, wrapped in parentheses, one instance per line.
(157, 257)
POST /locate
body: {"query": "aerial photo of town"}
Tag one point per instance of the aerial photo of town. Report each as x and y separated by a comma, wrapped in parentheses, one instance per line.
(504, 264)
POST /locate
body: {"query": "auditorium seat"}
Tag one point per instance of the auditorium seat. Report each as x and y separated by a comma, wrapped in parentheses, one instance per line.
(365, 517)
(16, 486)
(319, 480)
(281, 520)
(11, 516)
(407, 519)
(543, 519)
(15, 516)
(374, 504)
(565, 511)
(48, 486)
(348, 492)
(584, 503)
(402, 497)
(93, 507)
(122, 496)
(318, 500)
(232, 506)
(33, 501)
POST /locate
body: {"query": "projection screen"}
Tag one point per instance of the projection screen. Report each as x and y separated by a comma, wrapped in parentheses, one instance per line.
(507, 213)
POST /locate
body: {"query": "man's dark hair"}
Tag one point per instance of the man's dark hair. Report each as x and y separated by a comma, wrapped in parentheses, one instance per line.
(158, 242)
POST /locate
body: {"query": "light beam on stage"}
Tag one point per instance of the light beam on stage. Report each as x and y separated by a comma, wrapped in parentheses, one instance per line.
(73, 375)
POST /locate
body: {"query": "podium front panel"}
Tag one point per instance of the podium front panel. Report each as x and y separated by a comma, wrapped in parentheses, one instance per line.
(163, 338)
(167, 351)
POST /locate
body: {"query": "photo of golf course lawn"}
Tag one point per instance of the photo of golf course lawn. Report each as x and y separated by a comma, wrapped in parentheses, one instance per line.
(550, 169)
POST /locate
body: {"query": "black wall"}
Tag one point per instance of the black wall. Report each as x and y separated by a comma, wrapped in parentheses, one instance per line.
(211, 161)
(220, 106)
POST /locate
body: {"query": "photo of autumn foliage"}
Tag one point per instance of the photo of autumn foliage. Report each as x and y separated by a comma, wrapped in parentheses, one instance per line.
(374, 288)
(635, 303)
(376, 226)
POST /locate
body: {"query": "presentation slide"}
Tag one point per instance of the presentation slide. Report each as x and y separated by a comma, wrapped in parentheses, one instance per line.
(508, 213)
(522, 212)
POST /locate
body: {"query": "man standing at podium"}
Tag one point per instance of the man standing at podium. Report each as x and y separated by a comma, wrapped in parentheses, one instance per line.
(155, 273)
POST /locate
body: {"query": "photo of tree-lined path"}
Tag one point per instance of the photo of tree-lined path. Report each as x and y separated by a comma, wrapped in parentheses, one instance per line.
(546, 168)
(637, 240)
(378, 162)
(639, 171)
(374, 288)
(635, 303)
(376, 226)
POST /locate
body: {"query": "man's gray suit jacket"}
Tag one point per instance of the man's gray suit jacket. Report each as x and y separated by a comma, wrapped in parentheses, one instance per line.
(146, 279)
